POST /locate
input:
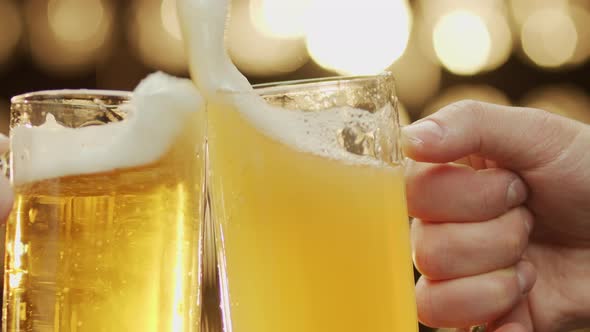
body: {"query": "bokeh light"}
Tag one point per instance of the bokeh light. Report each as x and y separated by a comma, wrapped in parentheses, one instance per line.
(154, 36)
(567, 100)
(258, 54)
(549, 37)
(481, 92)
(75, 20)
(69, 36)
(501, 39)
(418, 77)
(10, 30)
(358, 37)
(462, 42)
(280, 18)
(522, 9)
(581, 17)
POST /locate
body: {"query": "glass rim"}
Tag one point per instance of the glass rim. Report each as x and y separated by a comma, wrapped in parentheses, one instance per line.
(47, 97)
(261, 89)
(302, 84)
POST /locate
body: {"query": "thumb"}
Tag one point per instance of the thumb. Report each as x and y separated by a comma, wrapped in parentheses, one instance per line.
(515, 137)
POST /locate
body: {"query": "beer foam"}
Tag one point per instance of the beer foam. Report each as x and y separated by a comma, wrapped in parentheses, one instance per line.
(322, 133)
(156, 114)
(203, 25)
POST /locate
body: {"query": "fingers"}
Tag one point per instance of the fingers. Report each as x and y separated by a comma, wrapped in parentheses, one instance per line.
(519, 316)
(473, 300)
(453, 250)
(519, 138)
(459, 193)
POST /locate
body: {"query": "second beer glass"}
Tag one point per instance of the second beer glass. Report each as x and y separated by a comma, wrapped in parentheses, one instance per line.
(309, 208)
(98, 240)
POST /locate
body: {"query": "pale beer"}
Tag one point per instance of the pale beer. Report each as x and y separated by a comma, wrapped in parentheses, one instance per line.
(311, 237)
(113, 250)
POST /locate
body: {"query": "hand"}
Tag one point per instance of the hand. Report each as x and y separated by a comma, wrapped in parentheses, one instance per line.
(502, 228)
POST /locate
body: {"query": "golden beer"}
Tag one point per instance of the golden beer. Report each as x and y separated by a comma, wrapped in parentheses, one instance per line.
(307, 242)
(110, 251)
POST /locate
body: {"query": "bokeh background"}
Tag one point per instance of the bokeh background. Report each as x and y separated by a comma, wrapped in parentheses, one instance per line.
(513, 52)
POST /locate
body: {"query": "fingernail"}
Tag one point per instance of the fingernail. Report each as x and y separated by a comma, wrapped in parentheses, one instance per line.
(424, 131)
(526, 275)
(516, 193)
(528, 222)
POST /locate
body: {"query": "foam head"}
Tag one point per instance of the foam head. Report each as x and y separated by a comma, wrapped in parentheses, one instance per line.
(156, 115)
(203, 25)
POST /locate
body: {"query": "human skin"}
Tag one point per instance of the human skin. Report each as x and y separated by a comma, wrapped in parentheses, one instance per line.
(501, 201)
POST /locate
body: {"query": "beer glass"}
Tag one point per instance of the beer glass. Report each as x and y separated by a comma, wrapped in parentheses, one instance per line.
(96, 241)
(308, 201)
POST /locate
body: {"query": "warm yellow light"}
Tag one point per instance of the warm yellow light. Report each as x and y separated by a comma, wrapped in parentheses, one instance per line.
(482, 92)
(462, 42)
(522, 9)
(501, 41)
(549, 37)
(419, 78)
(69, 36)
(280, 18)
(180, 294)
(258, 54)
(10, 29)
(170, 18)
(358, 37)
(16, 251)
(75, 20)
(152, 34)
(581, 17)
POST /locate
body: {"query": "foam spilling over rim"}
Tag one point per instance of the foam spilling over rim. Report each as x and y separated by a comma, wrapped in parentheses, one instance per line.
(156, 114)
(203, 24)
(322, 133)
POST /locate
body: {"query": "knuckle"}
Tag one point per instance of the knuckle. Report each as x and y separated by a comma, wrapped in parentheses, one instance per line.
(429, 256)
(504, 293)
(425, 302)
(468, 105)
